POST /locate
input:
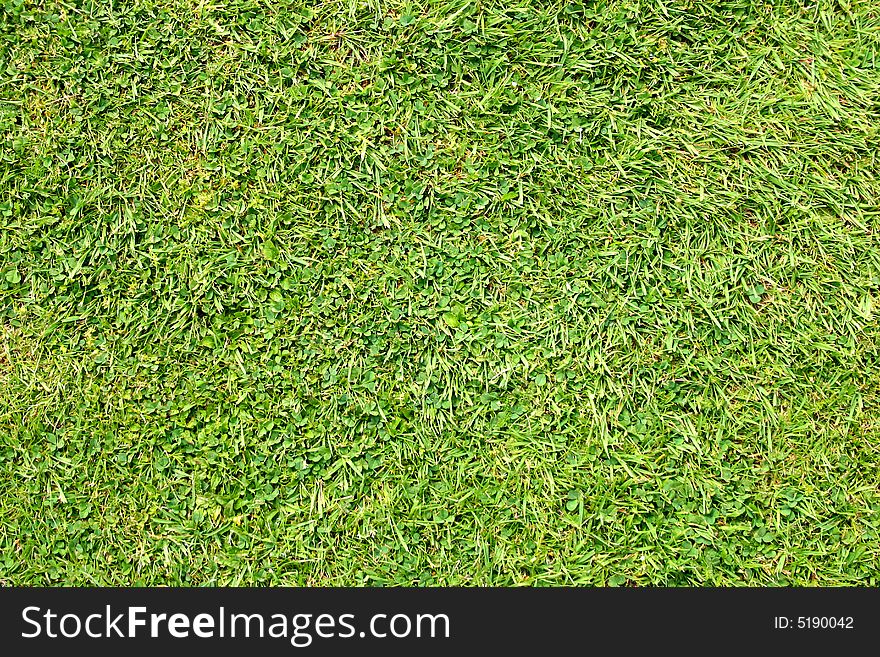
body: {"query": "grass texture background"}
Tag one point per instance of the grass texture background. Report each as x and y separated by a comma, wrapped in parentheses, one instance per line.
(364, 292)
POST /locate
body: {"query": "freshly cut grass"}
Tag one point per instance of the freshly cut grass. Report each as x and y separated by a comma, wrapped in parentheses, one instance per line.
(471, 292)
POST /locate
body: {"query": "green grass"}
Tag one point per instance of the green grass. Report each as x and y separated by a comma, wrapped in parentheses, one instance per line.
(458, 292)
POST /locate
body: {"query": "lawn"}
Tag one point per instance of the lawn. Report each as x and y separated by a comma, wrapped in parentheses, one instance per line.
(464, 292)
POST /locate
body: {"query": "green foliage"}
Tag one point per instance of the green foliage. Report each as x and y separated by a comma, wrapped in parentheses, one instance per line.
(367, 293)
